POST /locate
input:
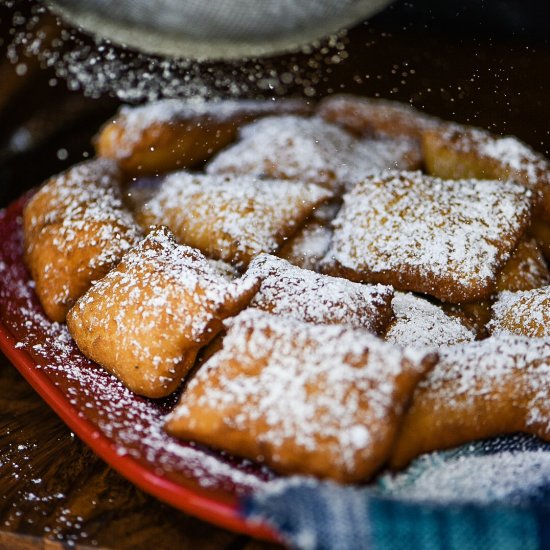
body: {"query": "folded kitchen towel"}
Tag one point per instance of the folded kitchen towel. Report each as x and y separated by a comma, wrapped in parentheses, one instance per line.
(488, 495)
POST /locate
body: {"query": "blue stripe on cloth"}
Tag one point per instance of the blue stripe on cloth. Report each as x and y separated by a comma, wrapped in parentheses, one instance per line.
(507, 511)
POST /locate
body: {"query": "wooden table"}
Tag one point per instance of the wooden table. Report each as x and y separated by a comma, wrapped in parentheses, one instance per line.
(52, 488)
(54, 491)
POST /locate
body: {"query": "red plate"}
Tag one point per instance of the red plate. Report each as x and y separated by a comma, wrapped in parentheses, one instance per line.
(124, 429)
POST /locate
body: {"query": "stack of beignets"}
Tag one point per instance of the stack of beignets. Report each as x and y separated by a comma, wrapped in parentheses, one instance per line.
(307, 239)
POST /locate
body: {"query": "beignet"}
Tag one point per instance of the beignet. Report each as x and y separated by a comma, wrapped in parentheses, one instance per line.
(314, 298)
(173, 134)
(478, 390)
(313, 399)
(147, 319)
(446, 238)
(76, 229)
(311, 150)
(232, 218)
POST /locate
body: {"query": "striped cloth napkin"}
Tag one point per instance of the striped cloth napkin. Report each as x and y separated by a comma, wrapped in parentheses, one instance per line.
(487, 495)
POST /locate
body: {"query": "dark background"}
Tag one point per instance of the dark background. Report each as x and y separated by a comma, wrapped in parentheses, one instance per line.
(481, 62)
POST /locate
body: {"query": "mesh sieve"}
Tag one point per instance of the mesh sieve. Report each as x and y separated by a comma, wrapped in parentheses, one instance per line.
(214, 29)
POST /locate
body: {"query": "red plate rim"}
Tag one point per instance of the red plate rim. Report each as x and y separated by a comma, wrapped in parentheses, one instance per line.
(223, 513)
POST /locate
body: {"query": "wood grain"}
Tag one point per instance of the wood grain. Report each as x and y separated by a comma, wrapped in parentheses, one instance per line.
(54, 491)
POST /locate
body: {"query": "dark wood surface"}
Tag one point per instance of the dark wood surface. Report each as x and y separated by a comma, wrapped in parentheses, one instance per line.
(53, 491)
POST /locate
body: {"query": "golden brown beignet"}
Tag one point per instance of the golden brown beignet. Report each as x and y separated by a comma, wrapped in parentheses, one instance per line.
(311, 150)
(367, 116)
(314, 298)
(525, 270)
(232, 218)
(524, 313)
(147, 319)
(454, 151)
(420, 324)
(76, 229)
(477, 390)
(446, 238)
(174, 134)
(312, 399)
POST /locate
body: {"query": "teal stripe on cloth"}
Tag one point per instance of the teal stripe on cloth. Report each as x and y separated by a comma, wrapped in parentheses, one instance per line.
(400, 526)
(489, 495)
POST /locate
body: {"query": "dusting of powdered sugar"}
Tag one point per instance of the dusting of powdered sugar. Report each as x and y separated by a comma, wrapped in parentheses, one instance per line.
(134, 121)
(467, 371)
(232, 218)
(311, 150)
(524, 313)
(372, 156)
(341, 384)
(506, 476)
(158, 283)
(419, 323)
(314, 298)
(422, 232)
(80, 210)
(365, 115)
(513, 159)
(308, 247)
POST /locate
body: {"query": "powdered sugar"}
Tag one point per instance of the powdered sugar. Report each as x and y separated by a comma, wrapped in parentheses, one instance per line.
(511, 158)
(149, 312)
(132, 425)
(524, 313)
(501, 477)
(474, 369)
(332, 378)
(420, 323)
(315, 298)
(365, 115)
(136, 120)
(308, 247)
(421, 233)
(79, 218)
(310, 150)
(233, 218)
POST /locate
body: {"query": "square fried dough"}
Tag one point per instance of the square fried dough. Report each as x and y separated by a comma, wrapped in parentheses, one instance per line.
(146, 320)
(323, 400)
(174, 134)
(525, 313)
(232, 218)
(311, 150)
(446, 238)
(454, 151)
(76, 229)
(367, 116)
(478, 390)
(314, 298)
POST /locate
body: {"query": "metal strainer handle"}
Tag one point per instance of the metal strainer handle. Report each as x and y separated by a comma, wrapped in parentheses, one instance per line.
(214, 29)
